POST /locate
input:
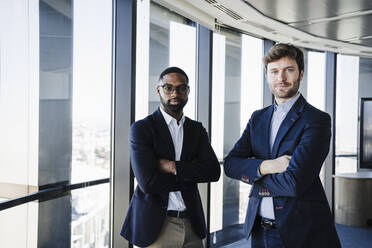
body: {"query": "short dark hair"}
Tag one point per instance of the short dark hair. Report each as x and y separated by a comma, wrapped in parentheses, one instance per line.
(282, 50)
(173, 69)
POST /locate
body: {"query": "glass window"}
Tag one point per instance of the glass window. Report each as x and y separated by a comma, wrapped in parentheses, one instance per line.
(165, 39)
(346, 113)
(19, 97)
(59, 122)
(217, 137)
(91, 121)
(91, 90)
(316, 85)
(365, 91)
(237, 78)
(89, 220)
(316, 79)
(18, 226)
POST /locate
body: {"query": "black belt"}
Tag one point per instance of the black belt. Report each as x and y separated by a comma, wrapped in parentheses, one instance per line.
(267, 223)
(177, 214)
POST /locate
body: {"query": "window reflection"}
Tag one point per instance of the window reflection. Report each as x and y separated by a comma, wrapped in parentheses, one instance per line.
(237, 78)
(55, 105)
(55, 119)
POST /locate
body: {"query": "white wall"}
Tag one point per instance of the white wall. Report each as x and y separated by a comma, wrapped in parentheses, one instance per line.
(19, 65)
(19, 91)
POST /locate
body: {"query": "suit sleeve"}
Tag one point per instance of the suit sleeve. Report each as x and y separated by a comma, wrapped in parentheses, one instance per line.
(306, 162)
(145, 164)
(240, 162)
(204, 167)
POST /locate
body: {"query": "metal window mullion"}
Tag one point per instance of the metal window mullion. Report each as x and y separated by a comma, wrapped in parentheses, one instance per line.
(204, 101)
(330, 108)
(123, 114)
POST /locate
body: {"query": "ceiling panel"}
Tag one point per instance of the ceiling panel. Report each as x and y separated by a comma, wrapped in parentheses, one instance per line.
(343, 20)
(291, 11)
(365, 65)
(344, 29)
(365, 42)
(350, 29)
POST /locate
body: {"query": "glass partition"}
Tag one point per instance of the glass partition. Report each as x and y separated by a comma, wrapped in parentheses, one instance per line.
(237, 78)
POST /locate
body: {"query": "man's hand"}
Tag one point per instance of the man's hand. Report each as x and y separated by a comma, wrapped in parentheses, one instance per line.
(167, 166)
(277, 165)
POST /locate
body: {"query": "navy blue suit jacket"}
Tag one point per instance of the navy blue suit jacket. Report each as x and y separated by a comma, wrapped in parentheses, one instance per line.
(150, 140)
(301, 209)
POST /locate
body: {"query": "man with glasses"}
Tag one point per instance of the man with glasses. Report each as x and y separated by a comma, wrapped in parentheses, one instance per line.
(280, 154)
(170, 154)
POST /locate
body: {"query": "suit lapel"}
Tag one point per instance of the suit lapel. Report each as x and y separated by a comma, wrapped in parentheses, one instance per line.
(162, 129)
(265, 128)
(188, 136)
(288, 122)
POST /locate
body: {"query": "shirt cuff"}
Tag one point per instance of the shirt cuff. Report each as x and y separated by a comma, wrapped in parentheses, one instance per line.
(258, 171)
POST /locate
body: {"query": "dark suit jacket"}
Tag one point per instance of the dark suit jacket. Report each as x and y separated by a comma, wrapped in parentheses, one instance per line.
(301, 209)
(150, 140)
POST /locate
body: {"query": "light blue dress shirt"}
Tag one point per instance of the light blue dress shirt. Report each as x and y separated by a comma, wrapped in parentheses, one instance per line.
(280, 112)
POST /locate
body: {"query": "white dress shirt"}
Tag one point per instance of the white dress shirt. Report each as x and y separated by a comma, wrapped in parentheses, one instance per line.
(175, 201)
(280, 112)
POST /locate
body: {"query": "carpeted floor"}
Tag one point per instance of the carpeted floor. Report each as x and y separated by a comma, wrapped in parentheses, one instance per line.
(351, 237)
(354, 237)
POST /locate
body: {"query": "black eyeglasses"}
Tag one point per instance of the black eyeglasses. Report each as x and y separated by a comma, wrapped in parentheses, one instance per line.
(169, 89)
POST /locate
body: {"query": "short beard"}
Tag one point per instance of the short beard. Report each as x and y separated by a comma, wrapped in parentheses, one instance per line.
(174, 108)
(292, 92)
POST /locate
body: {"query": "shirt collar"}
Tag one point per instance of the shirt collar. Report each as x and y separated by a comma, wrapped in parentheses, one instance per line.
(286, 106)
(168, 118)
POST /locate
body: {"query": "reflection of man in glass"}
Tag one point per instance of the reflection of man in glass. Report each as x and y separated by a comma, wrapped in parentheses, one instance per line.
(280, 154)
(170, 154)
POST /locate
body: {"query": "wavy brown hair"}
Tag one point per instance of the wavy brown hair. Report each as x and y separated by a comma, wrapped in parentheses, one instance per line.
(282, 50)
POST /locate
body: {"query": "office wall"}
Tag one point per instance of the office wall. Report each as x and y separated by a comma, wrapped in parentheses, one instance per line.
(18, 91)
(19, 95)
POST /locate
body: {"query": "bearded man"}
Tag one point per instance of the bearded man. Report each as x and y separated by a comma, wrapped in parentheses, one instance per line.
(170, 154)
(280, 153)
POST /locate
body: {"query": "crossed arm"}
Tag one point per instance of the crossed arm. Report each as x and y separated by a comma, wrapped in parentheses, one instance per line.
(285, 175)
(156, 175)
(167, 166)
(272, 166)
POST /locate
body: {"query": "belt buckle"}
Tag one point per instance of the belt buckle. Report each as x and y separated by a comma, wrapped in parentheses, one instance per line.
(268, 223)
